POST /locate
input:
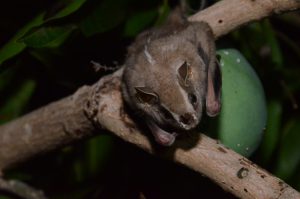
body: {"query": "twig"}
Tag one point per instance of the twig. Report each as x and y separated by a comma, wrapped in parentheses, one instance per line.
(20, 189)
(97, 67)
(77, 116)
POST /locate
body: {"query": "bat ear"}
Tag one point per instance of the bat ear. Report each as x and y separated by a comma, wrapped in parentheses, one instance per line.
(206, 49)
(214, 84)
(202, 36)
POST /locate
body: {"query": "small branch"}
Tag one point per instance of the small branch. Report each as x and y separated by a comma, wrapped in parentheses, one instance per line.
(97, 67)
(77, 116)
(20, 189)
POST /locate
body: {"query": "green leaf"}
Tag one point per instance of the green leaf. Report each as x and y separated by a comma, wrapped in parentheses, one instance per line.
(14, 46)
(78, 193)
(136, 23)
(68, 7)
(289, 151)
(105, 16)
(295, 182)
(6, 78)
(5, 197)
(79, 170)
(16, 103)
(98, 150)
(272, 41)
(163, 12)
(272, 133)
(51, 36)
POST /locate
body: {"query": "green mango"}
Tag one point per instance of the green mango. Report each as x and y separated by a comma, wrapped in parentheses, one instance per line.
(242, 120)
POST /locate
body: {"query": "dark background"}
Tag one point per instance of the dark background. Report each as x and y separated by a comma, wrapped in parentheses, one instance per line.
(50, 66)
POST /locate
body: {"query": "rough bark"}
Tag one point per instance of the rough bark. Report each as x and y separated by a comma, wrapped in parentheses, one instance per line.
(77, 116)
(47, 128)
(228, 15)
(200, 153)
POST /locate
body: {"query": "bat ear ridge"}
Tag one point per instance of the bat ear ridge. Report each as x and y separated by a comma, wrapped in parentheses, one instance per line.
(200, 34)
(214, 84)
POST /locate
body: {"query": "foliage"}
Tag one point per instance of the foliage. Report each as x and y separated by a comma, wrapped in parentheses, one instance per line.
(48, 57)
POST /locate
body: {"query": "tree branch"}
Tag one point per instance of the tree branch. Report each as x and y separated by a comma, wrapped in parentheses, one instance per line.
(227, 15)
(48, 128)
(20, 189)
(101, 104)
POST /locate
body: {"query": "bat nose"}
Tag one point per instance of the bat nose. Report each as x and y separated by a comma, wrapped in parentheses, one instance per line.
(187, 119)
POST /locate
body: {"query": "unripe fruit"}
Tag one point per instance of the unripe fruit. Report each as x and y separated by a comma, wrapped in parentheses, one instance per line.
(242, 119)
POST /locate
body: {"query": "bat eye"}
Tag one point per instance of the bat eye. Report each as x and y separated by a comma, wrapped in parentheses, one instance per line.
(184, 72)
(146, 95)
(192, 98)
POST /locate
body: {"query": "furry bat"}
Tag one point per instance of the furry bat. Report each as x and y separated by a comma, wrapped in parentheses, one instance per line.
(171, 74)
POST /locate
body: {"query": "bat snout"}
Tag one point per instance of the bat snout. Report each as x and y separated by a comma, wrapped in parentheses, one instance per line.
(188, 120)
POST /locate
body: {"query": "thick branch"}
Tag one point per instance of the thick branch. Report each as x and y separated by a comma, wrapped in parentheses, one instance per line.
(74, 117)
(45, 129)
(227, 15)
(228, 169)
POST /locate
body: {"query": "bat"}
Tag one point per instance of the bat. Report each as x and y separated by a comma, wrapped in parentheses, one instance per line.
(171, 76)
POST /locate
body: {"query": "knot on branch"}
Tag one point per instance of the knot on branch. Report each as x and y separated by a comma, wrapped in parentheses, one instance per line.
(93, 105)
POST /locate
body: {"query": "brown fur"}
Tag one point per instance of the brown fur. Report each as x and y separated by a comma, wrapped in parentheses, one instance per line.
(153, 62)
